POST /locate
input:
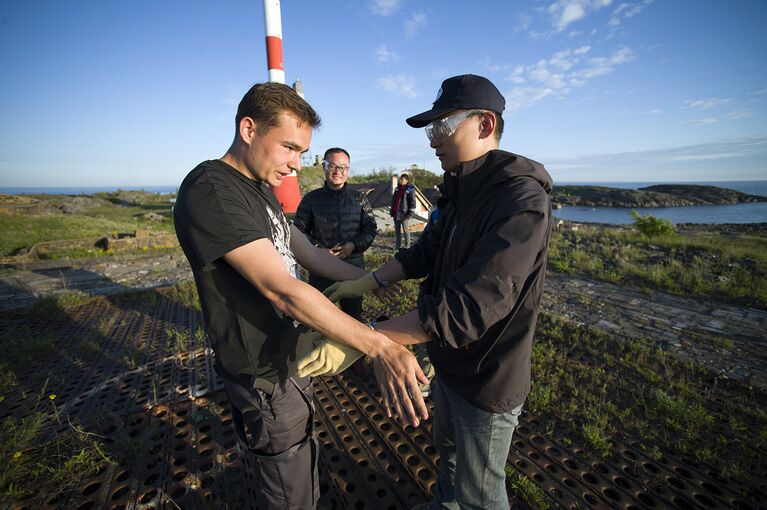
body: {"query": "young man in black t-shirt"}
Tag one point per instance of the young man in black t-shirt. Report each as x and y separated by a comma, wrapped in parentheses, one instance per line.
(258, 312)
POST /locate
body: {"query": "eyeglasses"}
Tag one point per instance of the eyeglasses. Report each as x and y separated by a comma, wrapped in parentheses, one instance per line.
(332, 167)
(442, 129)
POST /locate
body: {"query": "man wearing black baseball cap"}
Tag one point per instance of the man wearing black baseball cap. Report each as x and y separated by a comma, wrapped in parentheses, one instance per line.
(484, 262)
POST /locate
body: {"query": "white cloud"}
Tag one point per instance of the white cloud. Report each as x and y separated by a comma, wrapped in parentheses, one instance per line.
(561, 61)
(702, 157)
(414, 24)
(645, 113)
(525, 21)
(740, 158)
(600, 66)
(384, 54)
(627, 10)
(702, 122)
(705, 104)
(740, 114)
(384, 7)
(398, 85)
(559, 74)
(564, 12)
(516, 75)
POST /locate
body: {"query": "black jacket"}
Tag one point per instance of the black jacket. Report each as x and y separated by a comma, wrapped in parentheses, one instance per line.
(329, 217)
(485, 261)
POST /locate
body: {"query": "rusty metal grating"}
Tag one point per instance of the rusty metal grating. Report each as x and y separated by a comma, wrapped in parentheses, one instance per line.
(137, 373)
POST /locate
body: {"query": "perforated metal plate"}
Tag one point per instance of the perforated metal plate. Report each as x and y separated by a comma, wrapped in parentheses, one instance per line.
(135, 373)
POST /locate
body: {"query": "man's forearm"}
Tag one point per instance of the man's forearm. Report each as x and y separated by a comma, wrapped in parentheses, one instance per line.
(405, 330)
(391, 272)
(319, 261)
(324, 264)
(308, 306)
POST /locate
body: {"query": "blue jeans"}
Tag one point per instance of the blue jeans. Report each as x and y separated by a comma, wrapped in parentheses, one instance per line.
(473, 445)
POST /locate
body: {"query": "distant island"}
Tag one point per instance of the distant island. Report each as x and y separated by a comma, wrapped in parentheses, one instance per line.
(661, 195)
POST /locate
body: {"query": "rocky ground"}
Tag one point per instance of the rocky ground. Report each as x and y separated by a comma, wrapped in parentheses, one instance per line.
(666, 195)
(168, 427)
(680, 325)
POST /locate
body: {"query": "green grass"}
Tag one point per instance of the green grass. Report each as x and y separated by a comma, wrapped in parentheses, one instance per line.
(526, 490)
(730, 267)
(97, 252)
(117, 212)
(602, 389)
(22, 346)
(24, 231)
(186, 294)
(34, 470)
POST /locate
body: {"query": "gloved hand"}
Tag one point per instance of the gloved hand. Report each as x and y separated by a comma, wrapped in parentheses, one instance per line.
(351, 288)
(329, 358)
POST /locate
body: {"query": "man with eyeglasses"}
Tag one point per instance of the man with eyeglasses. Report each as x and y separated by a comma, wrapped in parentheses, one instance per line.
(338, 219)
(484, 262)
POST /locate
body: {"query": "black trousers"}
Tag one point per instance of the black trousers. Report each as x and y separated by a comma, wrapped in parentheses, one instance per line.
(275, 426)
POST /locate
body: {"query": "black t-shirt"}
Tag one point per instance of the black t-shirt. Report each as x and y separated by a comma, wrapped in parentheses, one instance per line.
(217, 210)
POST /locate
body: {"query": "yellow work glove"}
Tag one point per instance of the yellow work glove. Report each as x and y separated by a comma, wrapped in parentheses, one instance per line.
(351, 288)
(329, 358)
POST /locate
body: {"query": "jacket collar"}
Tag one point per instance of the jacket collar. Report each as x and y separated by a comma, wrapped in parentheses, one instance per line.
(467, 183)
(331, 190)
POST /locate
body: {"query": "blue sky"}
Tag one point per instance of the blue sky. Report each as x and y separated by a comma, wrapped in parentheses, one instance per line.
(99, 93)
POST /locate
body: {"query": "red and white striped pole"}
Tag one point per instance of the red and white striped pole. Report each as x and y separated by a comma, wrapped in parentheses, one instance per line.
(288, 194)
(273, 23)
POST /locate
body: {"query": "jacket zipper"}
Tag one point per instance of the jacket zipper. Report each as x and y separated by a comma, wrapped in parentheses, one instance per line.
(455, 221)
(338, 216)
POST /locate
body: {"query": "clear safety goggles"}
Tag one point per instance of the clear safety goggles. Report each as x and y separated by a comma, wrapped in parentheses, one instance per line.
(331, 167)
(442, 129)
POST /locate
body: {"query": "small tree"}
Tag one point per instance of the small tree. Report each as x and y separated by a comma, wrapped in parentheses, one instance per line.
(650, 226)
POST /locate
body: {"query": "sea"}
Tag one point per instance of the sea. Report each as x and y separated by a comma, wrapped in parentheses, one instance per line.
(86, 190)
(755, 212)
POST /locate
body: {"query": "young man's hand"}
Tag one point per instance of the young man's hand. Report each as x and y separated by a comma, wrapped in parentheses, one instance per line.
(398, 375)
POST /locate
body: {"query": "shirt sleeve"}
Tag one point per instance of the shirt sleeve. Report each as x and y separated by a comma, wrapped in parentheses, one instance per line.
(221, 215)
(486, 288)
(410, 194)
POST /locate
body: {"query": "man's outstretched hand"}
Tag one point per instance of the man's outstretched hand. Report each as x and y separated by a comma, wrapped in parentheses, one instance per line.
(398, 374)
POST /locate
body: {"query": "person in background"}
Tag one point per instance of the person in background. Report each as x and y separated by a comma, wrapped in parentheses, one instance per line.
(244, 257)
(338, 219)
(484, 263)
(402, 209)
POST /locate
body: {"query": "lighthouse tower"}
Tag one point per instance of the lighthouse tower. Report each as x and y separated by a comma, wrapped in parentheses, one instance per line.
(288, 194)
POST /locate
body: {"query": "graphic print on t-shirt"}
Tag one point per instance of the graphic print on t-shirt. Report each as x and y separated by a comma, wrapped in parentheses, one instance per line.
(281, 239)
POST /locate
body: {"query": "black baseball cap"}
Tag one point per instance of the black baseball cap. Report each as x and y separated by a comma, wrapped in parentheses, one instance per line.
(467, 91)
